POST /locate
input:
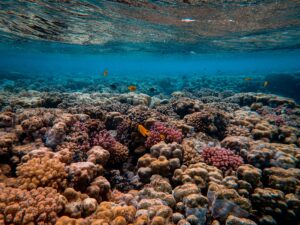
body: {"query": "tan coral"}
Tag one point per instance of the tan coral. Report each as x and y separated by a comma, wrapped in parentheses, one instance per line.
(264, 130)
(37, 206)
(82, 173)
(223, 200)
(159, 188)
(289, 134)
(7, 140)
(200, 173)
(119, 153)
(42, 172)
(233, 220)
(65, 220)
(286, 180)
(262, 154)
(250, 174)
(269, 202)
(6, 119)
(99, 188)
(191, 203)
(110, 212)
(98, 155)
(78, 205)
(210, 121)
(163, 160)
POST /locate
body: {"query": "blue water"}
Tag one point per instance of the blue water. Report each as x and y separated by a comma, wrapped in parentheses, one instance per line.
(30, 62)
(155, 40)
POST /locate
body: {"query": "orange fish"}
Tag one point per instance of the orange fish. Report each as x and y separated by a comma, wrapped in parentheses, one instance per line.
(143, 130)
(132, 88)
(105, 73)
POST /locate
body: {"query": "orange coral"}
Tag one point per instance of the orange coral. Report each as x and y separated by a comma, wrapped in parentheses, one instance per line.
(42, 172)
(38, 206)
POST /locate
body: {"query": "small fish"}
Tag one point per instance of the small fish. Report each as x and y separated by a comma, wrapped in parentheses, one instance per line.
(248, 78)
(266, 83)
(143, 131)
(152, 89)
(187, 20)
(113, 86)
(105, 73)
(132, 88)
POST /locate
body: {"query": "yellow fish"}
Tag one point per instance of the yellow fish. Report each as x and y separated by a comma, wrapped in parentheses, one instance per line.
(248, 78)
(105, 73)
(266, 83)
(143, 131)
(132, 88)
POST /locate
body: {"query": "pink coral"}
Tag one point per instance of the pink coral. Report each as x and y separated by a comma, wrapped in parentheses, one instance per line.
(104, 139)
(159, 132)
(221, 158)
(118, 152)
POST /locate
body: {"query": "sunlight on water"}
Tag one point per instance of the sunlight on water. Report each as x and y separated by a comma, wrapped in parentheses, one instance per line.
(147, 112)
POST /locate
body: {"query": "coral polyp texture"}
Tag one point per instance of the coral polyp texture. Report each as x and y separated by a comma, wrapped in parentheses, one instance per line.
(159, 132)
(204, 157)
(221, 158)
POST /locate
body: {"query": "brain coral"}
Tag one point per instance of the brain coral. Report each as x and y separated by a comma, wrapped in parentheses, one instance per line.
(37, 206)
(42, 172)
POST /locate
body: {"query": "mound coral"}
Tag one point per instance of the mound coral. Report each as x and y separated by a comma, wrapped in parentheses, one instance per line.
(37, 206)
(78, 205)
(221, 158)
(42, 172)
(111, 213)
(163, 160)
(81, 174)
(263, 154)
(159, 132)
(211, 122)
(225, 201)
(200, 174)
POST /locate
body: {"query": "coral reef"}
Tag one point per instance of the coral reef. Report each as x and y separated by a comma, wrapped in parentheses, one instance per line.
(209, 157)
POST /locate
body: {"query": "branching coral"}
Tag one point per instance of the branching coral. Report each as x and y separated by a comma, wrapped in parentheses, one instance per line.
(159, 132)
(118, 152)
(222, 158)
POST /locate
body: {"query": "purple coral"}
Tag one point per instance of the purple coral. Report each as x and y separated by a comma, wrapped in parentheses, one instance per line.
(221, 158)
(80, 136)
(104, 139)
(159, 132)
(278, 120)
